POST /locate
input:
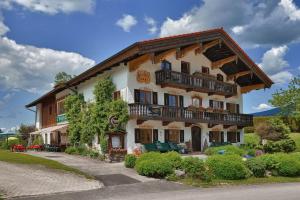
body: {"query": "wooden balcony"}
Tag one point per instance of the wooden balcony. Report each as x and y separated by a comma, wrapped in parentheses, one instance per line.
(180, 114)
(61, 118)
(200, 83)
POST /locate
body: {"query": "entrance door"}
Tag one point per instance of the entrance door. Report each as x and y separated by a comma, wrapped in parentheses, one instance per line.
(196, 138)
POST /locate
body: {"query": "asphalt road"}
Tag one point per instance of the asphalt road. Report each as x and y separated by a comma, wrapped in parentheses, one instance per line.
(165, 190)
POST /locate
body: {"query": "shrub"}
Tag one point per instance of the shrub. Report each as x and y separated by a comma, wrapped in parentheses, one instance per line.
(271, 161)
(273, 129)
(251, 152)
(174, 158)
(71, 150)
(130, 160)
(103, 144)
(156, 168)
(193, 166)
(251, 140)
(38, 140)
(249, 129)
(229, 167)
(289, 166)
(12, 141)
(229, 150)
(148, 156)
(93, 153)
(287, 145)
(257, 167)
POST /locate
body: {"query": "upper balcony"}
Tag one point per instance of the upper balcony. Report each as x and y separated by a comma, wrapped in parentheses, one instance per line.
(190, 116)
(199, 82)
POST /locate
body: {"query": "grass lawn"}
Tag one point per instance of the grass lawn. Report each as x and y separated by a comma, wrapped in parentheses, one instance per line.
(21, 158)
(296, 138)
(249, 181)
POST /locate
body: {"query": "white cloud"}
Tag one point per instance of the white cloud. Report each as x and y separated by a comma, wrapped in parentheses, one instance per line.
(33, 69)
(52, 6)
(126, 22)
(262, 106)
(152, 25)
(273, 60)
(3, 28)
(250, 22)
(282, 77)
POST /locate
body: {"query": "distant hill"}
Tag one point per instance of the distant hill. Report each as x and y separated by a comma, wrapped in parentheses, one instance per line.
(271, 112)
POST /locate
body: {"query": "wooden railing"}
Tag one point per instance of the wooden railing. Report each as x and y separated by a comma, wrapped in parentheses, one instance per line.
(61, 118)
(199, 83)
(170, 114)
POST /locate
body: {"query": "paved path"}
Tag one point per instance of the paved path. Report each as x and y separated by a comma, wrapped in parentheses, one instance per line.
(165, 190)
(21, 180)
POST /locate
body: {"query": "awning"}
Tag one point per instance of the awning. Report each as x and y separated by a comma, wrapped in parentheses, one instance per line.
(62, 127)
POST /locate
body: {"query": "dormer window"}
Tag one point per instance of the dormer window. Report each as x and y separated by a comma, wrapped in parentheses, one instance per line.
(166, 65)
(220, 77)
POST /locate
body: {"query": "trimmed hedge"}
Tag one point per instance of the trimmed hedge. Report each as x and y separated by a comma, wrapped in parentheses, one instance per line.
(174, 158)
(229, 150)
(193, 167)
(130, 160)
(229, 167)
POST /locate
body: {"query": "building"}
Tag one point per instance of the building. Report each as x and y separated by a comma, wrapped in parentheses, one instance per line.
(183, 88)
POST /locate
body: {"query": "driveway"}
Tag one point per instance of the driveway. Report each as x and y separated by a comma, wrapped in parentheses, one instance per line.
(21, 180)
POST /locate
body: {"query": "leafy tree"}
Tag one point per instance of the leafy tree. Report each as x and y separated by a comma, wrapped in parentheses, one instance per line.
(274, 129)
(88, 124)
(62, 77)
(25, 131)
(288, 100)
(73, 105)
(103, 91)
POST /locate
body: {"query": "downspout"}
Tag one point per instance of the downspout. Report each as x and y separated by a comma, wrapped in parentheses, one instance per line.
(35, 113)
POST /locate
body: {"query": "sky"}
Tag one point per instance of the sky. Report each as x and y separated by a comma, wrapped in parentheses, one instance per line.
(39, 38)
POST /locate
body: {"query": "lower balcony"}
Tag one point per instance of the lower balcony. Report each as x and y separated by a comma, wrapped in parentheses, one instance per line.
(180, 114)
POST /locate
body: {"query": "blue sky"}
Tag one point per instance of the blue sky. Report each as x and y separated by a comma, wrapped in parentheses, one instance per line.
(39, 38)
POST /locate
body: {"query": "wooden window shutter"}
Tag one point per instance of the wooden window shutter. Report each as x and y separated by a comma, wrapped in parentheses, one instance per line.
(228, 106)
(222, 137)
(136, 96)
(222, 104)
(181, 136)
(154, 98)
(167, 134)
(155, 135)
(166, 96)
(181, 101)
(137, 135)
(238, 136)
(237, 108)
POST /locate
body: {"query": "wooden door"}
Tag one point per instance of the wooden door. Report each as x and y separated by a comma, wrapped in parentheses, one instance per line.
(196, 138)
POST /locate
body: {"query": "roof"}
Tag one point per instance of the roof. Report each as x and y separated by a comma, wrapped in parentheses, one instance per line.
(161, 44)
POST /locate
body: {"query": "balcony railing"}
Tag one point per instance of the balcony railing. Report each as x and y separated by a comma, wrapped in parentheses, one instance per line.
(200, 83)
(61, 118)
(180, 114)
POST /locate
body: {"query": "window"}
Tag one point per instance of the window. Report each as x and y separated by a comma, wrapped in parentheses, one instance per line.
(155, 135)
(181, 136)
(166, 65)
(173, 135)
(185, 67)
(233, 108)
(173, 100)
(216, 136)
(205, 70)
(216, 104)
(220, 77)
(60, 107)
(144, 136)
(143, 97)
(197, 102)
(117, 95)
(233, 137)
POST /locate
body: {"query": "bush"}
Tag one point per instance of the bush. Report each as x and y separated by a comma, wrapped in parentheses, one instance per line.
(251, 140)
(289, 166)
(71, 150)
(93, 153)
(156, 168)
(249, 129)
(251, 152)
(193, 167)
(174, 158)
(271, 161)
(148, 156)
(38, 140)
(287, 146)
(12, 141)
(274, 129)
(229, 167)
(257, 167)
(130, 160)
(229, 150)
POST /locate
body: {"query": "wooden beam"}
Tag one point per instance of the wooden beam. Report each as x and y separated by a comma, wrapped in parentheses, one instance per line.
(248, 88)
(160, 57)
(219, 63)
(203, 48)
(183, 51)
(135, 63)
(139, 121)
(186, 124)
(238, 74)
(165, 123)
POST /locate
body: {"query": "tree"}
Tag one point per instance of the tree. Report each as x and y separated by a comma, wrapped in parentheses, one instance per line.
(25, 131)
(274, 129)
(62, 77)
(288, 100)
(73, 105)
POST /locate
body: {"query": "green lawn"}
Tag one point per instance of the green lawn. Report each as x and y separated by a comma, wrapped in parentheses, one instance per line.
(21, 158)
(249, 181)
(296, 138)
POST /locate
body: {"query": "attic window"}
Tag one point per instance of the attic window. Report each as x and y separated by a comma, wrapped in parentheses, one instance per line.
(166, 65)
